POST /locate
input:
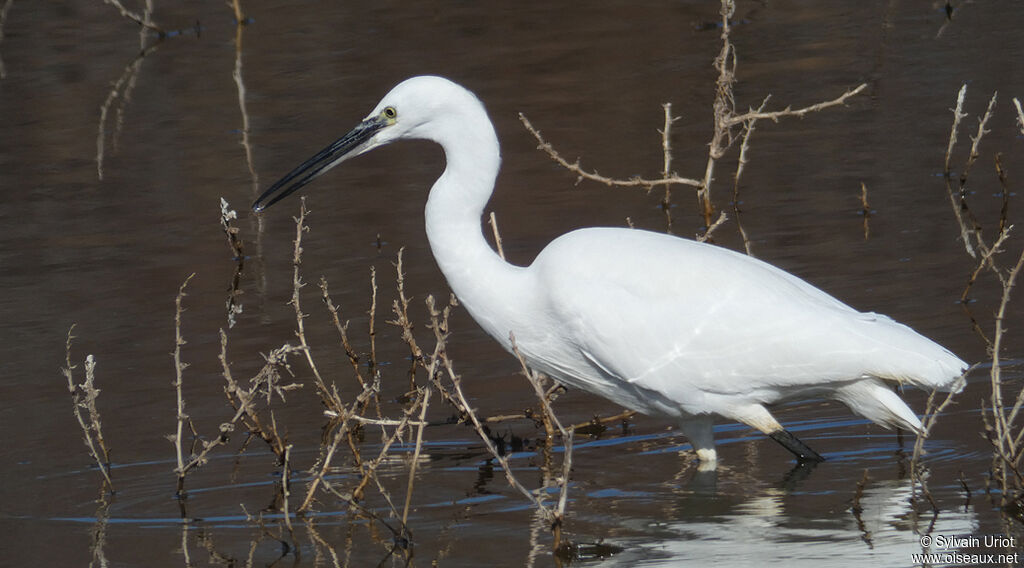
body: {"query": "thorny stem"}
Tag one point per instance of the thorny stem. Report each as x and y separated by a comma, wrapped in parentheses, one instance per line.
(350, 351)
(1004, 420)
(865, 209)
(493, 221)
(326, 394)
(372, 363)
(723, 108)
(741, 164)
(725, 119)
(932, 413)
(666, 170)
(93, 433)
(415, 456)
(999, 422)
(582, 174)
(400, 307)
(958, 115)
(458, 398)
(179, 368)
(558, 514)
(1020, 114)
(976, 140)
(341, 432)
(286, 489)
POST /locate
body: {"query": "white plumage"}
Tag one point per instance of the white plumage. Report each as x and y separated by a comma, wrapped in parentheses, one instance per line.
(653, 322)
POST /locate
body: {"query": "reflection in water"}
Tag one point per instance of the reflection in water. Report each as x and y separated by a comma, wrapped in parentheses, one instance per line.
(98, 538)
(760, 529)
(121, 90)
(256, 222)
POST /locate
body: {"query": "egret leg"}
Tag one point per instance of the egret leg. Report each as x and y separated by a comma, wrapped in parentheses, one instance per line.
(698, 430)
(804, 454)
(758, 416)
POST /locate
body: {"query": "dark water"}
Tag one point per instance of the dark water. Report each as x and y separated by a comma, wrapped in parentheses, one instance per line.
(108, 252)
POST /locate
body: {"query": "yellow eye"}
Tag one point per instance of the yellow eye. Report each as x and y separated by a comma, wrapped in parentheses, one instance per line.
(390, 112)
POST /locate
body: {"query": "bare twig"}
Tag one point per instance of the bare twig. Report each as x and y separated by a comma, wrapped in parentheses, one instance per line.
(1020, 114)
(341, 431)
(1002, 431)
(599, 422)
(400, 307)
(1005, 419)
(227, 215)
(725, 119)
(441, 363)
(243, 401)
(958, 115)
(143, 19)
(582, 174)
(493, 221)
(986, 262)
(459, 398)
(933, 409)
(179, 368)
(415, 456)
(233, 305)
(976, 139)
(722, 217)
(999, 422)
(666, 169)
(327, 395)
(286, 489)
(350, 351)
(557, 514)
(800, 112)
(748, 131)
(372, 329)
(723, 108)
(83, 397)
(865, 209)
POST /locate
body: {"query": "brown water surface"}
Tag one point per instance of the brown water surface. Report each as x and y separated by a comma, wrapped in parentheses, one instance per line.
(113, 165)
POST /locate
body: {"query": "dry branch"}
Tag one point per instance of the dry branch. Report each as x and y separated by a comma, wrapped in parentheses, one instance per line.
(350, 351)
(179, 369)
(958, 115)
(1020, 114)
(233, 305)
(582, 174)
(1003, 432)
(725, 120)
(83, 397)
(329, 396)
(493, 222)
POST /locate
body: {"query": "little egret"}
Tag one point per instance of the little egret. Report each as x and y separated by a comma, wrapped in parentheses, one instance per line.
(653, 322)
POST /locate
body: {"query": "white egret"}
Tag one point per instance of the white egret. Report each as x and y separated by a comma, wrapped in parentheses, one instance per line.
(653, 322)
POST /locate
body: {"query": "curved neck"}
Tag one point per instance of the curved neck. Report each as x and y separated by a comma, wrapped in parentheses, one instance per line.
(479, 277)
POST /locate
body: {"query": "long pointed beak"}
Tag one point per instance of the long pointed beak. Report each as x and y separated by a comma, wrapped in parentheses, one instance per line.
(337, 152)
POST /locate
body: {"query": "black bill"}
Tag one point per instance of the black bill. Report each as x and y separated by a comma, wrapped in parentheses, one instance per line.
(312, 168)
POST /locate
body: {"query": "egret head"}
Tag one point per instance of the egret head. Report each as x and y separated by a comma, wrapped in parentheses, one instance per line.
(415, 108)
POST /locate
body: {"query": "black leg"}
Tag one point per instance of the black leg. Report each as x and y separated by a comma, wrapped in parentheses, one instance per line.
(803, 453)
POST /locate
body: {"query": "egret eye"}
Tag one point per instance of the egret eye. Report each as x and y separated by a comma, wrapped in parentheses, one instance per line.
(390, 112)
